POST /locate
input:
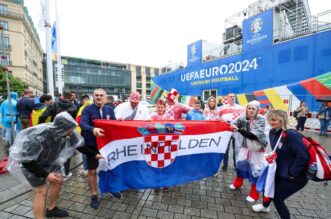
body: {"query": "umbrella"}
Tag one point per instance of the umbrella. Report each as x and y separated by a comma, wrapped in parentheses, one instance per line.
(324, 99)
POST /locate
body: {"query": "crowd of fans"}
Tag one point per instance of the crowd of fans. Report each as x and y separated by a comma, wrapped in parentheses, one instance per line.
(38, 147)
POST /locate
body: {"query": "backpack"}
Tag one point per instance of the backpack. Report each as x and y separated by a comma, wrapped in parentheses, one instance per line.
(319, 164)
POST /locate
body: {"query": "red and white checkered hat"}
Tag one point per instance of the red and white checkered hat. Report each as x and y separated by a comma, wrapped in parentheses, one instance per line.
(172, 95)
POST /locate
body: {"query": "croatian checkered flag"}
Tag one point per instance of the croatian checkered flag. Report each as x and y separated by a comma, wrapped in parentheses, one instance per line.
(159, 153)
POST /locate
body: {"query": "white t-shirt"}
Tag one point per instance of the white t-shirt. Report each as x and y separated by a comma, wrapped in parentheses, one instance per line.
(124, 110)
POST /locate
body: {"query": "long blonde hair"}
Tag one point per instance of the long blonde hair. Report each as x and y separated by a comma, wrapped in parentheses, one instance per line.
(210, 98)
(280, 115)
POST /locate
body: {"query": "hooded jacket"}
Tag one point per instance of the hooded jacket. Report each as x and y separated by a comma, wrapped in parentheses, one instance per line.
(47, 145)
(257, 131)
(58, 107)
(38, 110)
(5, 112)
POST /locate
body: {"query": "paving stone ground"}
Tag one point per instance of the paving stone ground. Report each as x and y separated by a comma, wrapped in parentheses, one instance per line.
(208, 198)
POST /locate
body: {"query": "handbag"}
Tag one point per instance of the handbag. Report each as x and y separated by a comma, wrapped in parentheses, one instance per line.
(295, 114)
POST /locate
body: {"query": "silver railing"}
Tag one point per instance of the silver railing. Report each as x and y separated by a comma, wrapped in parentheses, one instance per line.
(298, 27)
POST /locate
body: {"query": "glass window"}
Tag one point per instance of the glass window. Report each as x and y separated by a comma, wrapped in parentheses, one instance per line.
(138, 70)
(156, 71)
(4, 24)
(5, 42)
(139, 85)
(208, 93)
(148, 71)
(3, 9)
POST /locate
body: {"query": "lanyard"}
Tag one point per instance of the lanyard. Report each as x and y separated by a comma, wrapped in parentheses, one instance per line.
(276, 146)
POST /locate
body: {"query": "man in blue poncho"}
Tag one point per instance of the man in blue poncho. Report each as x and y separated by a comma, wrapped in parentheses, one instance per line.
(6, 119)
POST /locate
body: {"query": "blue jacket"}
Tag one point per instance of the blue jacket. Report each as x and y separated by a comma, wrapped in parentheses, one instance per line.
(5, 112)
(326, 111)
(90, 113)
(195, 115)
(292, 157)
(25, 107)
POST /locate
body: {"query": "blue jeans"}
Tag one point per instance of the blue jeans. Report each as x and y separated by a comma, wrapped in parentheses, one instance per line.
(9, 136)
(324, 126)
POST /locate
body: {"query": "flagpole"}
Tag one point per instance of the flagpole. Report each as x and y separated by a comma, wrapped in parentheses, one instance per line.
(59, 62)
(49, 61)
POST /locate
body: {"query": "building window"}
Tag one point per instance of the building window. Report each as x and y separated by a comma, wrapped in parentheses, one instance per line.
(4, 24)
(5, 42)
(139, 85)
(3, 9)
(148, 71)
(156, 72)
(138, 70)
(208, 93)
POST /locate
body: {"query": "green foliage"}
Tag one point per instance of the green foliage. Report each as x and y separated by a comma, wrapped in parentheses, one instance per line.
(16, 84)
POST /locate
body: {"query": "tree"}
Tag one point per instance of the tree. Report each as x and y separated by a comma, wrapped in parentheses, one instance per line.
(16, 84)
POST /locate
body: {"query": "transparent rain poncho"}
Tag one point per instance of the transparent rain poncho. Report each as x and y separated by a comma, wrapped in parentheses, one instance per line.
(50, 145)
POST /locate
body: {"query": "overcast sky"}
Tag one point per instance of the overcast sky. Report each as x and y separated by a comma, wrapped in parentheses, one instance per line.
(143, 32)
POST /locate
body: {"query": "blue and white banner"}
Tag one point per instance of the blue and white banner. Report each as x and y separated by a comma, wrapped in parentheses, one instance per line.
(194, 53)
(258, 31)
(148, 154)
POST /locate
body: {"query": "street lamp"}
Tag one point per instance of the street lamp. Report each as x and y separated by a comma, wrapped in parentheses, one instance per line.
(4, 64)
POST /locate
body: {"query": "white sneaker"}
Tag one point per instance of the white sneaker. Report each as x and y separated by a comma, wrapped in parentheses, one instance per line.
(232, 187)
(67, 177)
(260, 208)
(250, 199)
(83, 173)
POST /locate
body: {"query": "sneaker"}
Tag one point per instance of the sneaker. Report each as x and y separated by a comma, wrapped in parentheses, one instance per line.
(94, 202)
(225, 167)
(56, 212)
(232, 187)
(116, 195)
(166, 189)
(260, 208)
(250, 199)
(83, 173)
(67, 177)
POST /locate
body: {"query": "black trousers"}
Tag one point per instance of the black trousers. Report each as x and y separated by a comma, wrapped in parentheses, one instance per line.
(284, 188)
(301, 123)
(226, 155)
(67, 166)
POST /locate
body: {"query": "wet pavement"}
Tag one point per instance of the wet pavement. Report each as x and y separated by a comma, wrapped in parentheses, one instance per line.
(208, 198)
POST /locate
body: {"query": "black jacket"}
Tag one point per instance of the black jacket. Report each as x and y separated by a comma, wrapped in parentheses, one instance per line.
(56, 108)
